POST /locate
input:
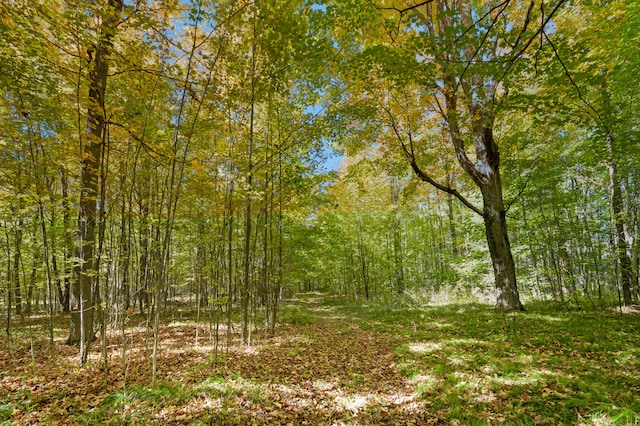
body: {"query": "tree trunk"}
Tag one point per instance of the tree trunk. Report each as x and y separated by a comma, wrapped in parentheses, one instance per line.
(143, 263)
(32, 283)
(617, 211)
(617, 206)
(397, 237)
(8, 278)
(201, 266)
(17, 260)
(68, 241)
(246, 285)
(485, 173)
(81, 297)
(455, 249)
(494, 215)
(125, 256)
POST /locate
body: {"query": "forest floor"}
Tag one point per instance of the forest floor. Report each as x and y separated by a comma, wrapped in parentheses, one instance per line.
(331, 362)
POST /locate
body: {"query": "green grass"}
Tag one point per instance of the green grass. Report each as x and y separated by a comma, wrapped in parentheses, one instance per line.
(297, 314)
(544, 366)
(5, 413)
(139, 401)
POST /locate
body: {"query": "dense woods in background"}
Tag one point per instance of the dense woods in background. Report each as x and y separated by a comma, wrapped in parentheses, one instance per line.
(163, 153)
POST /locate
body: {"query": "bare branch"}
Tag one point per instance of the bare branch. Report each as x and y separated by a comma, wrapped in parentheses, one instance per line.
(484, 38)
(406, 9)
(527, 19)
(137, 138)
(224, 21)
(424, 177)
(519, 194)
(538, 32)
(477, 21)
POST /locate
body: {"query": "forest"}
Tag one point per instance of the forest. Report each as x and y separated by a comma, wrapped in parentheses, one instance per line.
(319, 212)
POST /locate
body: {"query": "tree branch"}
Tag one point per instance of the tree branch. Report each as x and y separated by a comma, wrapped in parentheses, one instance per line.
(451, 117)
(525, 25)
(484, 38)
(420, 173)
(406, 9)
(424, 177)
(520, 192)
(539, 32)
(575, 85)
(136, 137)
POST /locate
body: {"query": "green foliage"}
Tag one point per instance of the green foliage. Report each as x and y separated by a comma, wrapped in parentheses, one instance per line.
(217, 117)
(6, 411)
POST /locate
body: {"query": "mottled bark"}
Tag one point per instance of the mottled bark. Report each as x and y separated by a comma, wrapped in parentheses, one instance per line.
(494, 215)
(485, 173)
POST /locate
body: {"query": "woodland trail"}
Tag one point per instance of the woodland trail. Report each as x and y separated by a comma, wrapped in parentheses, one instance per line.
(332, 364)
(323, 372)
(328, 372)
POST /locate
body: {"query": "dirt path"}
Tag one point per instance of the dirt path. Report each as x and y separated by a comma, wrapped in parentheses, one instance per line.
(330, 372)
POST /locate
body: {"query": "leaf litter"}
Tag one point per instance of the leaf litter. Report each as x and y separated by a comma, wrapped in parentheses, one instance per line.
(328, 372)
(343, 367)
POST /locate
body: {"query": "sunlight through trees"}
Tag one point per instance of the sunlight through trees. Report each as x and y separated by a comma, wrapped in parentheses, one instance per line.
(168, 156)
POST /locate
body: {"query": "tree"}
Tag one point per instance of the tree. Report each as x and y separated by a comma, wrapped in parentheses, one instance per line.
(457, 60)
(82, 295)
(597, 81)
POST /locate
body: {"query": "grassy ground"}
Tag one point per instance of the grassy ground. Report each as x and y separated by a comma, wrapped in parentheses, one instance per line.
(331, 362)
(471, 365)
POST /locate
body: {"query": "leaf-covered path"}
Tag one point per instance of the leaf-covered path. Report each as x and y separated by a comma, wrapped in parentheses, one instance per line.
(327, 372)
(321, 368)
(331, 363)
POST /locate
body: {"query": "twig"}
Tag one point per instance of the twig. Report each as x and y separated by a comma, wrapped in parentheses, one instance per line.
(575, 85)
(406, 9)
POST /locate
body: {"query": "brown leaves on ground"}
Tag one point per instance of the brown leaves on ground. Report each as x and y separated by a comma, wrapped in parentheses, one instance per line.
(330, 372)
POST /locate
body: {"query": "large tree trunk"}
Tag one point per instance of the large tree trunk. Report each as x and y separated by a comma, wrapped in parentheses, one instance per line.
(81, 297)
(485, 173)
(494, 215)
